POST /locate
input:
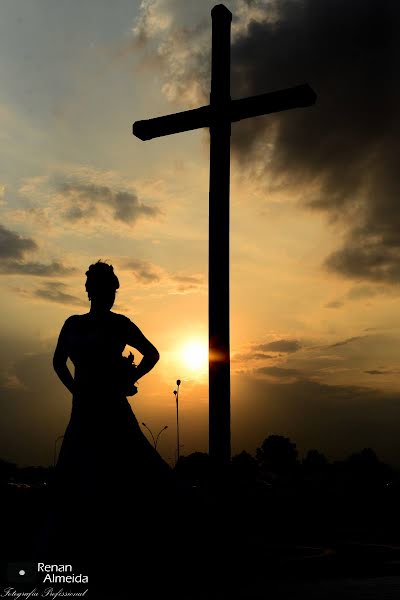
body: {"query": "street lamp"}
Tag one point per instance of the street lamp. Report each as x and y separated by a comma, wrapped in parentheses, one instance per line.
(159, 433)
(55, 449)
(151, 433)
(176, 393)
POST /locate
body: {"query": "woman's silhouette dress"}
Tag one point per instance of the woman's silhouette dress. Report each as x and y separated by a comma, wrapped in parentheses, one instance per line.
(110, 483)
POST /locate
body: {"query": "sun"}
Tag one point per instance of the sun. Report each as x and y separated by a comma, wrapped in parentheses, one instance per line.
(195, 355)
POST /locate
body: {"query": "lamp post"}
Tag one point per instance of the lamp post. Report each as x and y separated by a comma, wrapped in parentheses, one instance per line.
(176, 393)
(55, 449)
(155, 441)
(159, 433)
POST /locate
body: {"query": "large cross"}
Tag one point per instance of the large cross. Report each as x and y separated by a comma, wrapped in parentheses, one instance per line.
(218, 116)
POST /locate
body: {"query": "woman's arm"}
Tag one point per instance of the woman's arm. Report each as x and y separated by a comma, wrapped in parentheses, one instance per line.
(60, 361)
(136, 339)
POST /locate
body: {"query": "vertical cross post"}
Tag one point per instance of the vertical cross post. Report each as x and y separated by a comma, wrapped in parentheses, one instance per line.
(218, 275)
(218, 116)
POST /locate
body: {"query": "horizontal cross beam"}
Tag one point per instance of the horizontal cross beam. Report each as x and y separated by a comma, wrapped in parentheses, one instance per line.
(255, 106)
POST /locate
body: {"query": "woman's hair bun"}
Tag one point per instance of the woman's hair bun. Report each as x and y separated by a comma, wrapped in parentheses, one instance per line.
(101, 276)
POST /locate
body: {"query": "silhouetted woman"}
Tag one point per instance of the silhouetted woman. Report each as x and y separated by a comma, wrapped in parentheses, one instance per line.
(109, 479)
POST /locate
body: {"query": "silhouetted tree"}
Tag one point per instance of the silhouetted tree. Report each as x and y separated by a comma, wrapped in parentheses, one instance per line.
(244, 467)
(314, 461)
(365, 466)
(7, 469)
(194, 468)
(277, 455)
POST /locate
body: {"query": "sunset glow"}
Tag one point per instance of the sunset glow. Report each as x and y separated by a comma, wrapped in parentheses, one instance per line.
(195, 355)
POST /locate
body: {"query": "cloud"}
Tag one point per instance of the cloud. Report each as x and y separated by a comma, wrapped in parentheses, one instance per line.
(35, 268)
(148, 273)
(13, 245)
(383, 372)
(174, 36)
(262, 352)
(86, 200)
(341, 153)
(288, 346)
(151, 20)
(279, 372)
(367, 258)
(334, 304)
(180, 34)
(347, 341)
(188, 282)
(143, 271)
(340, 156)
(252, 356)
(364, 293)
(345, 361)
(53, 291)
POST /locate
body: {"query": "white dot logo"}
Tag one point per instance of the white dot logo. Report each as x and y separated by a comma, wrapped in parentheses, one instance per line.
(22, 572)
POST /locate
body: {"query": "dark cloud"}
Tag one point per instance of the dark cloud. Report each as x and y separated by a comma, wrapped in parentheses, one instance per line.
(128, 208)
(347, 341)
(383, 372)
(87, 198)
(143, 271)
(339, 155)
(362, 259)
(53, 291)
(347, 145)
(334, 304)
(148, 273)
(288, 346)
(253, 356)
(187, 282)
(13, 245)
(364, 292)
(35, 268)
(78, 213)
(279, 372)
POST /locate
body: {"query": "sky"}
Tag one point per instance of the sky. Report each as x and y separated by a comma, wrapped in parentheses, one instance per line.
(315, 215)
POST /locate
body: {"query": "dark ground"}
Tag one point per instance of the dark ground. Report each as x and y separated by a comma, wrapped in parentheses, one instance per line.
(246, 543)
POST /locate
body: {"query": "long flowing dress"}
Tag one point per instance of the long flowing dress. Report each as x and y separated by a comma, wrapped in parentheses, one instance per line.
(111, 487)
